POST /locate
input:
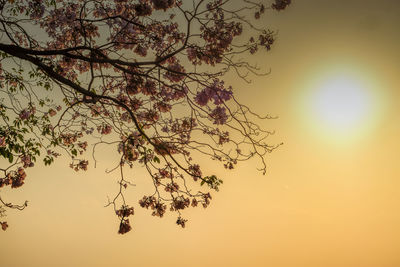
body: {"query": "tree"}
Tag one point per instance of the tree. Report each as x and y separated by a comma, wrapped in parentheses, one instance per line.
(144, 76)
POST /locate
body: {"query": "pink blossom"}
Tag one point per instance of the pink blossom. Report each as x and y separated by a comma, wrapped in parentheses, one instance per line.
(52, 112)
(182, 222)
(124, 227)
(280, 4)
(143, 9)
(163, 4)
(175, 73)
(104, 129)
(2, 141)
(4, 225)
(26, 113)
(216, 91)
(219, 115)
(141, 50)
(27, 161)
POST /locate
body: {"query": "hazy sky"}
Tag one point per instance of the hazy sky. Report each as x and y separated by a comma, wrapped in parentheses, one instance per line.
(332, 194)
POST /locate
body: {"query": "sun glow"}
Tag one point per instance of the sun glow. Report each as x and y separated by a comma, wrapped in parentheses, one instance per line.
(340, 104)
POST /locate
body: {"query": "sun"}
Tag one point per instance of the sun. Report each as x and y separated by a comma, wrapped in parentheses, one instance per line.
(341, 104)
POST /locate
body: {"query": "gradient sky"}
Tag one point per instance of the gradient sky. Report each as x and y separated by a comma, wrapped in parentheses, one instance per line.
(330, 199)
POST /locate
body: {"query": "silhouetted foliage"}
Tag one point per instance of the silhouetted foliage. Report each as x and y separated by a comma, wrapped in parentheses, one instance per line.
(144, 76)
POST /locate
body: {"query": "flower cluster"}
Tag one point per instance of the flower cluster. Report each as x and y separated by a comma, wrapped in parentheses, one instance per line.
(14, 178)
(175, 72)
(172, 187)
(125, 211)
(195, 171)
(281, 4)
(26, 161)
(219, 115)
(163, 4)
(194, 202)
(81, 165)
(52, 112)
(123, 214)
(266, 40)
(162, 106)
(83, 145)
(206, 200)
(182, 222)
(26, 113)
(104, 129)
(143, 9)
(163, 148)
(70, 138)
(216, 91)
(129, 146)
(124, 227)
(36, 9)
(180, 203)
(53, 153)
(158, 207)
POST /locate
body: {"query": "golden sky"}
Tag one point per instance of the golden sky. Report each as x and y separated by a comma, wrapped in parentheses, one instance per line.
(330, 199)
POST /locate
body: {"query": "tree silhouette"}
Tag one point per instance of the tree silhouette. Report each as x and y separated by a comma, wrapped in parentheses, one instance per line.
(144, 76)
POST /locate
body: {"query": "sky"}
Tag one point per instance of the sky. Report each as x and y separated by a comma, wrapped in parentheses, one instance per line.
(332, 191)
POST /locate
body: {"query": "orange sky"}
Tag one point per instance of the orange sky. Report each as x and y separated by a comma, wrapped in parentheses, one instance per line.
(325, 202)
